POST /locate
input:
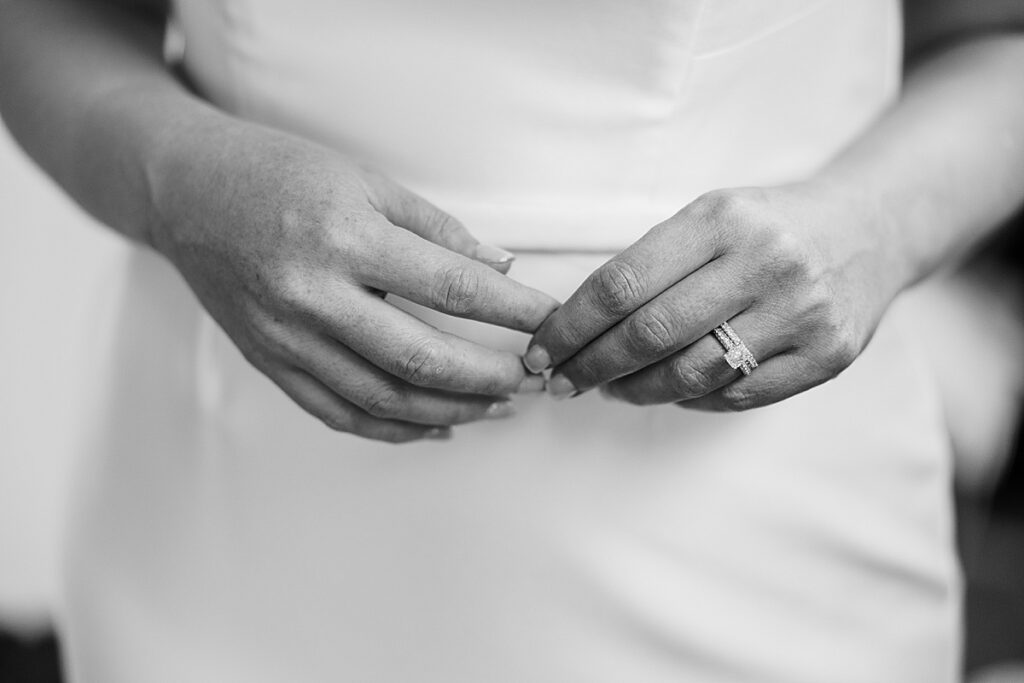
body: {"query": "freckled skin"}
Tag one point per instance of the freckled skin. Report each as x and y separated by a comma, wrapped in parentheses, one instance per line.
(290, 247)
(292, 252)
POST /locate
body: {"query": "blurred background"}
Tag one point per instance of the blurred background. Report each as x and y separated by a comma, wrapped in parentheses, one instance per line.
(53, 265)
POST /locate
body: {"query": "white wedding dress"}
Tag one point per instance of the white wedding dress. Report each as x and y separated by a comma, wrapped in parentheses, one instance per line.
(220, 534)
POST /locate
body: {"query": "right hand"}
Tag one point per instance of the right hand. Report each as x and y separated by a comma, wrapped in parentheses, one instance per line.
(292, 249)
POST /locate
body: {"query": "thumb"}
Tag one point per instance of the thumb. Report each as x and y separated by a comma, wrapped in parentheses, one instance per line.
(412, 212)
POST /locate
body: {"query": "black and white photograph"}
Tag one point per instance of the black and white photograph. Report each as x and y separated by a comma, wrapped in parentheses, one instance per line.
(511, 341)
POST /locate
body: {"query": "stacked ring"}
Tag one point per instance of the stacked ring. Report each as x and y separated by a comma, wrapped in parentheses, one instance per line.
(737, 355)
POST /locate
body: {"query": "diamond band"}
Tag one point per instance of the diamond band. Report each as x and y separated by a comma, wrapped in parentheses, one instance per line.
(737, 355)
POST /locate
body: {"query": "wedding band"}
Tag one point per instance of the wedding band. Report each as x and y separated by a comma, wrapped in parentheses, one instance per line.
(737, 355)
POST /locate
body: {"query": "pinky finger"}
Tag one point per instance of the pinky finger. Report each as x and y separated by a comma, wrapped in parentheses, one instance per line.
(772, 381)
(340, 415)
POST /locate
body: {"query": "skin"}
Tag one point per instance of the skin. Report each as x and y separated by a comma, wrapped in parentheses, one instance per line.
(288, 245)
(804, 272)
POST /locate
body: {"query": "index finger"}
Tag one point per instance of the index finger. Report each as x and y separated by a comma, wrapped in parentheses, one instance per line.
(666, 254)
(433, 276)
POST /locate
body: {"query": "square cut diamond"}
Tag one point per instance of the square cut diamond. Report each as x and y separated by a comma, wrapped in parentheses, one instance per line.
(735, 357)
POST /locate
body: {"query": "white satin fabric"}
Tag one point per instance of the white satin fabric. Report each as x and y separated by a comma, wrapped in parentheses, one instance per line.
(557, 123)
(220, 534)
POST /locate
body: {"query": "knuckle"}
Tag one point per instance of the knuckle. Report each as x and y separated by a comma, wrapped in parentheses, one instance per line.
(725, 206)
(446, 228)
(820, 307)
(650, 333)
(368, 428)
(378, 431)
(292, 288)
(372, 183)
(529, 313)
(789, 256)
(731, 217)
(354, 235)
(689, 379)
(843, 352)
(631, 398)
(625, 393)
(457, 290)
(337, 420)
(619, 287)
(833, 357)
(423, 364)
(383, 401)
(737, 398)
(584, 370)
(501, 379)
(276, 339)
(392, 436)
(840, 343)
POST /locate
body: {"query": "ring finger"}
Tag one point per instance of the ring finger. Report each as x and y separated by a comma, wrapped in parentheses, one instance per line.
(669, 322)
(700, 368)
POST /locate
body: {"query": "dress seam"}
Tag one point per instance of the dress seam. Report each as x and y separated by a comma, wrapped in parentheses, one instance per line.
(795, 18)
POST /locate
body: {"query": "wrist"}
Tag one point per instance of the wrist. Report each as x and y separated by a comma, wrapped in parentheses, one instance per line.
(863, 223)
(175, 164)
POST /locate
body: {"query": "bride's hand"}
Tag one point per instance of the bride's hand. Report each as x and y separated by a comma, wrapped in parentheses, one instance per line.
(800, 272)
(292, 250)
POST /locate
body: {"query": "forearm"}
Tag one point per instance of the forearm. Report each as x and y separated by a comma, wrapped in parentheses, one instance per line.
(84, 90)
(945, 166)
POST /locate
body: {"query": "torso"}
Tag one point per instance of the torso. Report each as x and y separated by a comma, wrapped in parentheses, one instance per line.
(518, 116)
(221, 534)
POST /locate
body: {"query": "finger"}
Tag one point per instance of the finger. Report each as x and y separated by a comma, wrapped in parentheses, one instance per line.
(674, 319)
(430, 275)
(772, 381)
(700, 368)
(408, 348)
(343, 416)
(665, 255)
(408, 210)
(384, 396)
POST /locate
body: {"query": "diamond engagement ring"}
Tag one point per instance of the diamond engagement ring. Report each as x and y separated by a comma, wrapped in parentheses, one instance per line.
(737, 355)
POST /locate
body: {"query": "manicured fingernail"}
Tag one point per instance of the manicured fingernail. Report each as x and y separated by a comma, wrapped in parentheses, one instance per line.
(560, 387)
(531, 384)
(537, 359)
(438, 433)
(493, 254)
(500, 409)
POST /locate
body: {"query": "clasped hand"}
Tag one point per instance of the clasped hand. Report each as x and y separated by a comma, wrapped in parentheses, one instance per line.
(798, 272)
(292, 250)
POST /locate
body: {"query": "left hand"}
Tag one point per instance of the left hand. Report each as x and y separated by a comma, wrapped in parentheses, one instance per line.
(800, 272)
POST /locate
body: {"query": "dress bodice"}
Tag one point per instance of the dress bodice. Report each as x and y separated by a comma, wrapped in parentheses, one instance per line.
(220, 533)
(569, 124)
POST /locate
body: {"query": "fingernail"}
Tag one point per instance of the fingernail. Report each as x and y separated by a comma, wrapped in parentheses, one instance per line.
(537, 359)
(560, 387)
(500, 409)
(438, 433)
(492, 254)
(531, 384)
